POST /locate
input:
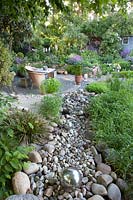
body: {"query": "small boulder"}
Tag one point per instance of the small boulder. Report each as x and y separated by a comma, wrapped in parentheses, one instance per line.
(23, 197)
(114, 176)
(105, 179)
(114, 192)
(49, 148)
(122, 184)
(32, 168)
(35, 157)
(94, 151)
(98, 159)
(21, 183)
(98, 189)
(96, 197)
(105, 169)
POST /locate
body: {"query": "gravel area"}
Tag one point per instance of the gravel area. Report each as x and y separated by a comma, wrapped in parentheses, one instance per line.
(30, 98)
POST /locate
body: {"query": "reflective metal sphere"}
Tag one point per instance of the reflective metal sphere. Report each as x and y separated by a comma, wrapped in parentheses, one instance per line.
(71, 177)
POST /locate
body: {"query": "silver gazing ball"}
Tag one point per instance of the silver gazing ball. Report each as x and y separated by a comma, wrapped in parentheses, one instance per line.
(71, 177)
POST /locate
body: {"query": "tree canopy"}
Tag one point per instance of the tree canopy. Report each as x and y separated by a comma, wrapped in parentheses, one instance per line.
(33, 9)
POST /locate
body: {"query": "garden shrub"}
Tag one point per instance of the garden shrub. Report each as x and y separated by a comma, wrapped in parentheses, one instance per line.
(111, 114)
(125, 65)
(97, 87)
(50, 86)
(106, 68)
(50, 106)
(25, 125)
(69, 69)
(6, 76)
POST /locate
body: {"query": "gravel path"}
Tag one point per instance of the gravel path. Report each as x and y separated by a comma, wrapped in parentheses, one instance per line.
(30, 98)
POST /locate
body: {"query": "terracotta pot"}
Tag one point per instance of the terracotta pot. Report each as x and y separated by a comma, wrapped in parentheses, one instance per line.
(36, 77)
(78, 79)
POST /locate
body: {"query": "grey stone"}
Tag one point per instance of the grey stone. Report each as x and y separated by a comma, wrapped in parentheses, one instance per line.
(99, 189)
(35, 157)
(20, 183)
(122, 184)
(94, 151)
(45, 169)
(98, 159)
(85, 180)
(32, 168)
(96, 197)
(105, 179)
(23, 197)
(49, 148)
(114, 192)
(62, 152)
(101, 146)
(50, 129)
(114, 176)
(105, 169)
(54, 124)
(98, 173)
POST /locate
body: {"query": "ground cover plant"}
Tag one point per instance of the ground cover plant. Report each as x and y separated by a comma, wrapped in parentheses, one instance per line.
(111, 114)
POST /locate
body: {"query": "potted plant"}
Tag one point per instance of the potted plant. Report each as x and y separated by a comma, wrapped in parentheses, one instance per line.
(77, 70)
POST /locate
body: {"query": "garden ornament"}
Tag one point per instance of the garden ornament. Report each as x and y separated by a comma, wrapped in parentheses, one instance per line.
(71, 177)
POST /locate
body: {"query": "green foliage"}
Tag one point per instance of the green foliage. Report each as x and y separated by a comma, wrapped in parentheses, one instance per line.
(6, 76)
(123, 74)
(51, 60)
(77, 69)
(120, 159)
(106, 68)
(12, 156)
(12, 159)
(110, 44)
(115, 84)
(25, 125)
(69, 69)
(108, 30)
(97, 87)
(72, 38)
(5, 103)
(50, 85)
(90, 58)
(50, 106)
(114, 21)
(112, 119)
(36, 56)
(125, 65)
